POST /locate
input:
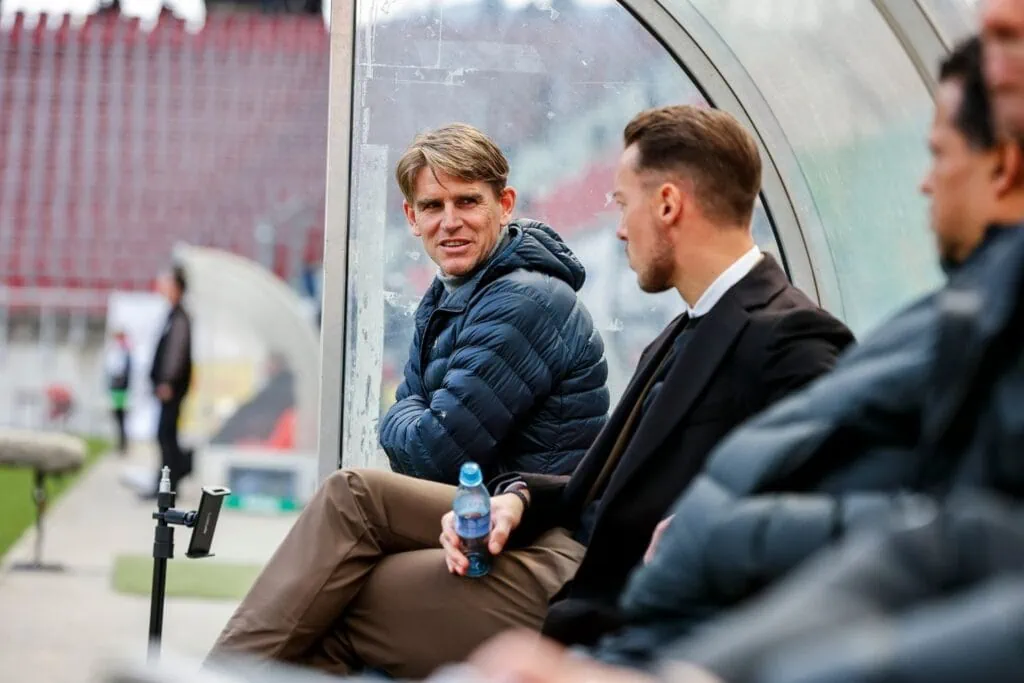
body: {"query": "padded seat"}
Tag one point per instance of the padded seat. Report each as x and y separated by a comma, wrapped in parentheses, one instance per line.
(46, 454)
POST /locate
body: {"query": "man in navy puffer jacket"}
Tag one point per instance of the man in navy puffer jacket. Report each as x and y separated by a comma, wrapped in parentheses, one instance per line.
(505, 368)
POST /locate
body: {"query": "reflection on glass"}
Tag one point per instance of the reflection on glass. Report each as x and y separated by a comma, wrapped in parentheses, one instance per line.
(266, 415)
(855, 112)
(954, 19)
(554, 85)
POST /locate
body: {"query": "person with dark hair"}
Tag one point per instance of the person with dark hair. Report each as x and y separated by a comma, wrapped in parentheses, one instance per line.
(925, 407)
(363, 579)
(1002, 28)
(841, 454)
(171, 376)
(962, 140)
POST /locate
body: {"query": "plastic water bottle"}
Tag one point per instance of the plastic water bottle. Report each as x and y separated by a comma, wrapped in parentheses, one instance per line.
(472, 507)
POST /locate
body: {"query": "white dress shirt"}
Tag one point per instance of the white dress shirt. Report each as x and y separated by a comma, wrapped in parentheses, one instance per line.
(724, 282)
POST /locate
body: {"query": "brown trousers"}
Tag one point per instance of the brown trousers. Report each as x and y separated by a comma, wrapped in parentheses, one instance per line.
(360, 580)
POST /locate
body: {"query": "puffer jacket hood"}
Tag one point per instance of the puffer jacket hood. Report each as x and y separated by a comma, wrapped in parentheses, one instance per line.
(538, 247)
(534, 246)
(506, 369)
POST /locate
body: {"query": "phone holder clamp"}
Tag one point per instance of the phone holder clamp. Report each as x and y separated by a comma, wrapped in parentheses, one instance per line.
(167, 517)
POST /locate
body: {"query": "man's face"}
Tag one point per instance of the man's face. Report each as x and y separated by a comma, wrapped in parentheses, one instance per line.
(459, 221)
(647, 246)
(1002, 24)
(961, 183)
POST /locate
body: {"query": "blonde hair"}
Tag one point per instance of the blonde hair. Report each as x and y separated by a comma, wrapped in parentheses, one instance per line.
(459, 150)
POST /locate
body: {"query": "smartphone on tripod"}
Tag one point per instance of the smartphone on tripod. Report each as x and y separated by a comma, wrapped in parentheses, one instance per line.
(206, 521)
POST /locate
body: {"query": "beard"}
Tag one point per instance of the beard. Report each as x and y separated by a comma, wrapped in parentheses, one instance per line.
(658, 273)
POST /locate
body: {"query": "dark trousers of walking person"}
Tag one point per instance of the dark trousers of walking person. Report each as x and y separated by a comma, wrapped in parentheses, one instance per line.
(167, 436)
(122, 433)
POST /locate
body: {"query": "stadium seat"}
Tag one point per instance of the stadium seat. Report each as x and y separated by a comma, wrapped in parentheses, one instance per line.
(221, 129)
(47, 454)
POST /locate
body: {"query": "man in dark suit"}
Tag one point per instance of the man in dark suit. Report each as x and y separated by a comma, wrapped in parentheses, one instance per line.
(359, 581)
(925, 408)
(686, 186)
(171, 375)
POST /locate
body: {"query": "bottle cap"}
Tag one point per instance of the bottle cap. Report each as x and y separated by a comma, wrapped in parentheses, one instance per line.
(470, 474)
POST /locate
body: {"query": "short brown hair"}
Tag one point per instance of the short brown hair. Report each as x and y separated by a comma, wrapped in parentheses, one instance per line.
(710, 147)
(458, 149)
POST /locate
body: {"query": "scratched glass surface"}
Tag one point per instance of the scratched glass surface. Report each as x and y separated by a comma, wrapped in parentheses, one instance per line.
(954, 19)
(855, 113)
(554, 85)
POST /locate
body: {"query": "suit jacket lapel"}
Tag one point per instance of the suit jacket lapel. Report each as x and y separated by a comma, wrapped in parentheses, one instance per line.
(696, 366)
(690, 373)
(592, 463)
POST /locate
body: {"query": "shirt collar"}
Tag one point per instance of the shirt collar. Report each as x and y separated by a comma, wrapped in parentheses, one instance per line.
(724, 282)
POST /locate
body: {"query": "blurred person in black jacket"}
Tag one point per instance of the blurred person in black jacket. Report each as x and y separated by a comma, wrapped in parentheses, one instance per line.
(171, 375)
(843, 454)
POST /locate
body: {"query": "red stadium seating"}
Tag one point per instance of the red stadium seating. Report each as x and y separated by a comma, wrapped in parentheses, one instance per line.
(115, 144)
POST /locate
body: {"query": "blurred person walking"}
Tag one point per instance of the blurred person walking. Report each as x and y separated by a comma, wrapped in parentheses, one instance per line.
(118, 367)
(171, 375)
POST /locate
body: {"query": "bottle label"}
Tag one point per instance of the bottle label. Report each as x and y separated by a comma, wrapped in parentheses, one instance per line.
(472, 526)
(473, 531)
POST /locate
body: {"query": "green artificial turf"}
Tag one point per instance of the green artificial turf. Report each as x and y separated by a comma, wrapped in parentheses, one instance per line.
(205, 579)
(17, 510)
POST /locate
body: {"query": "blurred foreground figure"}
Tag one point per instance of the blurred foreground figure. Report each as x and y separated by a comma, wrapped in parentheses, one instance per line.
(1002, 23)
(934, 595)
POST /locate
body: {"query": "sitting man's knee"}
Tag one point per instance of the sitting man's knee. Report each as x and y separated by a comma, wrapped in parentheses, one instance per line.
(357, 481)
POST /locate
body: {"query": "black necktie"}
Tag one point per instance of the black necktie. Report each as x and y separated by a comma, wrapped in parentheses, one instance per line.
(682, 338)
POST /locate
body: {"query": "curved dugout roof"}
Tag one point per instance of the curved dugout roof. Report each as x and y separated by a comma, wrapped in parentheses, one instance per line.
(839, 95)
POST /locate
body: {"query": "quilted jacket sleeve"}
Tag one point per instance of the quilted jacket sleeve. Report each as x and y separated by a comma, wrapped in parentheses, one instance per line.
(925, 596)
(763, 538)
(410, 392)
(740, 546)
(510, 350)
